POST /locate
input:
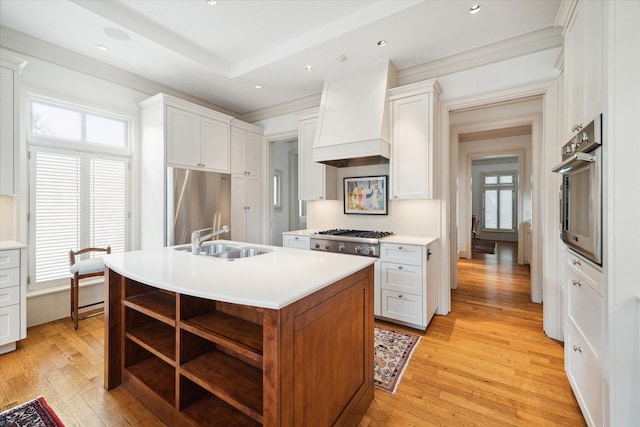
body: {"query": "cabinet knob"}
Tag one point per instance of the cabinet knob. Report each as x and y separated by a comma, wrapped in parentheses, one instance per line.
(296, 238)
(399, 267)
(400, 296)
(399, 247)
(577, 283)
(575, 262)
(577, 348)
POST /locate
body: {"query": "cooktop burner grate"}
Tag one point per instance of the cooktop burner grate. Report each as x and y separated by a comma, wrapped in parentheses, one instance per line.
(365, 234)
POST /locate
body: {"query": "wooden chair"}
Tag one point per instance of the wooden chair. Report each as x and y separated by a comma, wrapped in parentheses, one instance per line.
(92, 267)
(475, 220)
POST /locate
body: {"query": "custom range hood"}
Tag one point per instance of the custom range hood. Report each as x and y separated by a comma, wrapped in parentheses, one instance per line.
(353, 122)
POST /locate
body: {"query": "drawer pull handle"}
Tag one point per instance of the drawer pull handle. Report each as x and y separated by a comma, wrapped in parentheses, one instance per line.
(576, 262)
(399, 267)
(400, 296)
(400, 247)
(577, 348)
(577, 283)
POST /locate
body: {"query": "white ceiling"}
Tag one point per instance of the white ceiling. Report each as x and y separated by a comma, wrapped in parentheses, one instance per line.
(218, 53)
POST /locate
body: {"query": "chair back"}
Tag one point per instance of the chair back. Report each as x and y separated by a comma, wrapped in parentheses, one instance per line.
(74, 254)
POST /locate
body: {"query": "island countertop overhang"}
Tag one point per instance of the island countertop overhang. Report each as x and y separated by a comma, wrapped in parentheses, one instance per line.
(271, 280)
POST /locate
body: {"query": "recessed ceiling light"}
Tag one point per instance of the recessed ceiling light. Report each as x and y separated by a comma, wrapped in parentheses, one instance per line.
(101, 47)
(258, 86)
(212, 2)
(475, 9)
(117, 34)
(341, 58)
(382, 43)
(308, 68)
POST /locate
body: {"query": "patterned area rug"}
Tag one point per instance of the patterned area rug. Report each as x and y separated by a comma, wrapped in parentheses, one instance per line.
(393, 349)
(483, 247)
(32, 414)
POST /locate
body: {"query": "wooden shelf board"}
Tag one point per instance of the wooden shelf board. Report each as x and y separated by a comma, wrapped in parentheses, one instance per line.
(232, 332)
(235, 382)
(158, 305)
(158, 338)
(210, 410)
(157, 376)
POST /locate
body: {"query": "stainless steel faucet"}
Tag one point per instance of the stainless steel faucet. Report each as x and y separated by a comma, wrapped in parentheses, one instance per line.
(196, 239)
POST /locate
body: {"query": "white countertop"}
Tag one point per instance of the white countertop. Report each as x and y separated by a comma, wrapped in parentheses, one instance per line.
(271, 280)
(395, 238)
(11, 244)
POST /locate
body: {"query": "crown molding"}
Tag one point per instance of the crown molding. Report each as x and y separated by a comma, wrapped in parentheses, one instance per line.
(565, 13)
(535, 41)
(25, 45)
(289, 107)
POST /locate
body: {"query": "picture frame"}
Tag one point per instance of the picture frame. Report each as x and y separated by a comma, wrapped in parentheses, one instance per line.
(366, 195)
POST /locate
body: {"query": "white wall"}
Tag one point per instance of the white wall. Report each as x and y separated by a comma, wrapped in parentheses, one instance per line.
(45, 78)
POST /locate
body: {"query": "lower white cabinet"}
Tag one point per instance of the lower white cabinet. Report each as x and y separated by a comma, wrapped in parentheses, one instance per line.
(408, 288)
(13, 306)
(296, 242)
(583, 337)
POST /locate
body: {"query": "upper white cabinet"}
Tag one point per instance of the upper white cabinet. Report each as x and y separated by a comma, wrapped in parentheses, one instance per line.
(583, 66)
(197, 141)
(246, 149)
(414, 132)
(316, 181)
(246, 182)
(9, 128)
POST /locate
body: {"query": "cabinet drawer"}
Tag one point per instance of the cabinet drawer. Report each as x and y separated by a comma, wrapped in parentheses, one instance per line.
(402, 278)
(296, 242)
(9, 324)
(402, 306)
(585, 375)
(9, 296)
(9, 277)
(402, 254)
(587, 270)
(584, 309)
(9, 259)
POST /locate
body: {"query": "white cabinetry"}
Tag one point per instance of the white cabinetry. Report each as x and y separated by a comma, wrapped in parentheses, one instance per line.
(316, 181)
(246, 182)
(408, 285)
(296, 242)
(181, 134)
(583, 66)
(9, 128)
(583, 335)
(414, 132)
(197, 141)
(13, 304)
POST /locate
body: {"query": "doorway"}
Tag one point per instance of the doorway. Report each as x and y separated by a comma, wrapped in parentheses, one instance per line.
(286, 211)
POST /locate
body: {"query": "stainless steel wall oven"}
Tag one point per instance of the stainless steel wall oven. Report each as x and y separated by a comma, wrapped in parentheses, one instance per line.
(581, 192)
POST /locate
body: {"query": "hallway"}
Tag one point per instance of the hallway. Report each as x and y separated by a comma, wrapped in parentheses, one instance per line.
(488, 363)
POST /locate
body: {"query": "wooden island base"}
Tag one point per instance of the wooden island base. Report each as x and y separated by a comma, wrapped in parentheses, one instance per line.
(194, 361)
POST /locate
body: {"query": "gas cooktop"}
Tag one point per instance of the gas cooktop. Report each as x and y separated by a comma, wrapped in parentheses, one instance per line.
(364, 234)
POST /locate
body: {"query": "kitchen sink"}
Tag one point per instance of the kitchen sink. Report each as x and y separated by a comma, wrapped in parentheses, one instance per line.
(210, 249)
(240, 253)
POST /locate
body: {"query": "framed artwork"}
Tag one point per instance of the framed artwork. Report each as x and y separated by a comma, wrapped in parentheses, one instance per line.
(366, 195)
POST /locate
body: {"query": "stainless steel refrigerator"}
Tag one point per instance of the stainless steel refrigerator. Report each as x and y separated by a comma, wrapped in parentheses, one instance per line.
(196, 200)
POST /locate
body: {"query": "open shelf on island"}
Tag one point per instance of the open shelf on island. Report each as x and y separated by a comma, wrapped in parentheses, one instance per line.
(156, 375)
(232, 332)
(205, 409)
(157, 304)
(156, 337)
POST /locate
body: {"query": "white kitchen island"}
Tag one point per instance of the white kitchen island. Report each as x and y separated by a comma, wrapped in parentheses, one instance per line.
(283, 338)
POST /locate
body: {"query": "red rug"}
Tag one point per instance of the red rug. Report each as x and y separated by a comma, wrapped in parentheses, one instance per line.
(36, 413)
(392, 351)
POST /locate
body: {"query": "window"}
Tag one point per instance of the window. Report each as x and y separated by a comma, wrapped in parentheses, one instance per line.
(498, 201)
(78, 194)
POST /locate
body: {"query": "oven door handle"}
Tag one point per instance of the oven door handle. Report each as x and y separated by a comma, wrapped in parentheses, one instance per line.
(577, 159)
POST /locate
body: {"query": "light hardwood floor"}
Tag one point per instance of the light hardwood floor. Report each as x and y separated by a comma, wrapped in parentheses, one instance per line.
(487, 363)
